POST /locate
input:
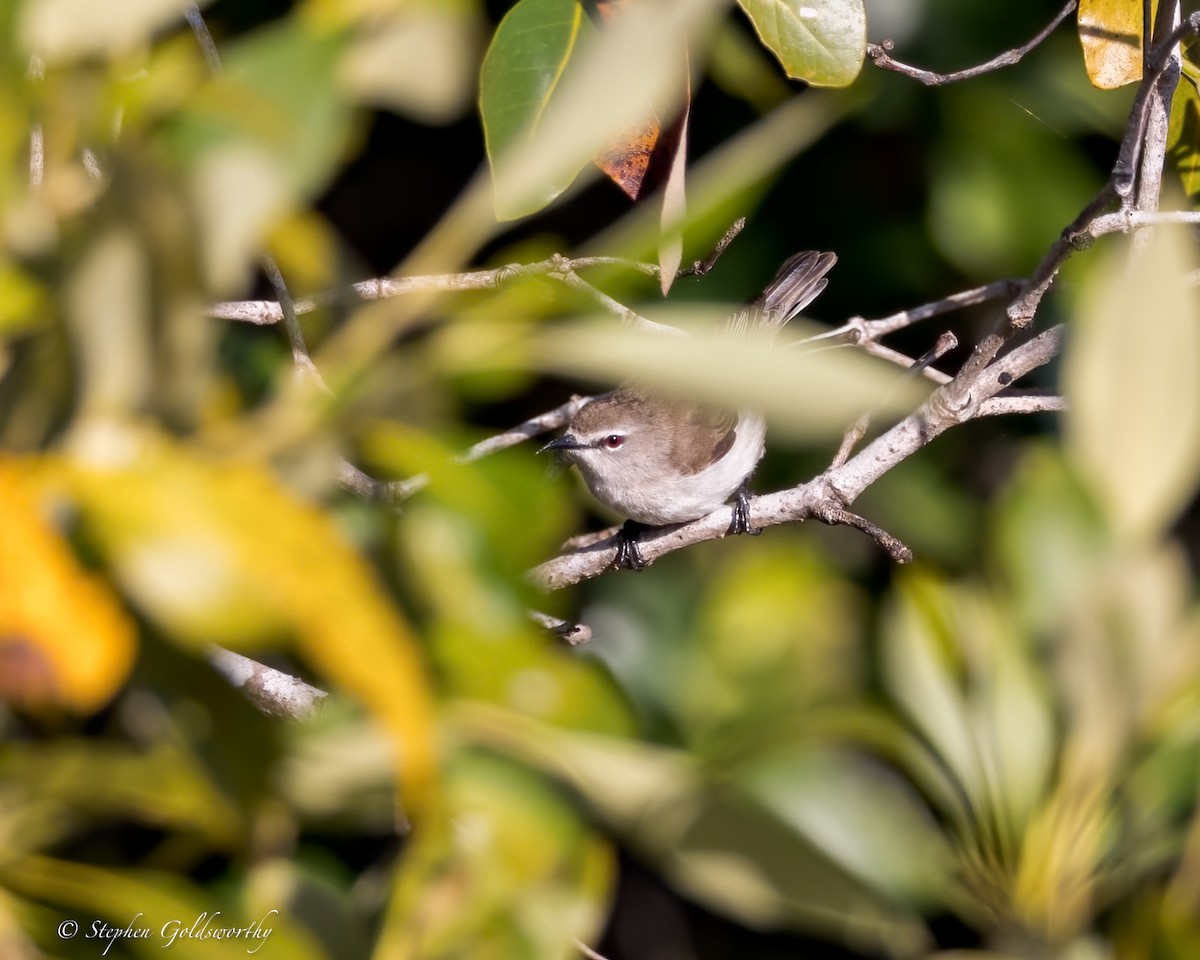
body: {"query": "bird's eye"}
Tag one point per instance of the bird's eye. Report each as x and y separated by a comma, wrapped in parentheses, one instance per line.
(613, 441)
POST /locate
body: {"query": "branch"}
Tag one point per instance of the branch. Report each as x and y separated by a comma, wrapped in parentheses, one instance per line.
(274, 693)
(879, 54)
(558, 267)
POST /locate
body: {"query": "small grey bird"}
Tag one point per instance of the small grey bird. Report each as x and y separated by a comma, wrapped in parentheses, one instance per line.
(659, 461)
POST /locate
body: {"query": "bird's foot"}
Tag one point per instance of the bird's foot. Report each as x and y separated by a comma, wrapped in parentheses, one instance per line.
(741, 514)
(629, 555)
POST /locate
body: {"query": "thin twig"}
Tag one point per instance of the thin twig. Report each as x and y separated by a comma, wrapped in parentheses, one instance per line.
(701, 267)
(880, 55)
(361, 484)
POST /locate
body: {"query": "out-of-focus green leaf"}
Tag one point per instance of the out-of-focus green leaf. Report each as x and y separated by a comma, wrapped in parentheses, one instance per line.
(493, 492)
(23, 301)
(485, 646)
(59, 30)
(715, 843)
(732, 855)
(858, 815)
(960, 667)
(627, 782)
(1049, 538)
(1111, 34)
(258, 138)
(1132, 375)
(805, 395)
(822, 42)
(162, 787)
(1183, 141)
(510, 870)
(1002, 185)
(919, 671)
(525, 62)
(222, 551)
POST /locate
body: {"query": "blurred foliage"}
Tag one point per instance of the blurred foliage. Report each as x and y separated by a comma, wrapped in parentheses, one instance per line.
(995, 754)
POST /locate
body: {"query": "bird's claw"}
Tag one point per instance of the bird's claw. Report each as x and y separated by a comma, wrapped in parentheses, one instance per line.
(741, 515)
(629, 555)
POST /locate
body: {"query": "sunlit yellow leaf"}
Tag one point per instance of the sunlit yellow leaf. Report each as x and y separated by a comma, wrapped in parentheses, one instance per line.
(1111, 34)
(221, 553)
(1132, 374)
(65, 641)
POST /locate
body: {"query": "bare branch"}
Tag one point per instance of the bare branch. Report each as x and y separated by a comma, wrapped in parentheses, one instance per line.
(274, 693)
(880, 55)
(1024, 403)
(702, 267)
(266, 312)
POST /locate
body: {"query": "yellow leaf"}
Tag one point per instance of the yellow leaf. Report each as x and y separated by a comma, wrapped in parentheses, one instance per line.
(65, 641)
(222, 553)
(1111, 34)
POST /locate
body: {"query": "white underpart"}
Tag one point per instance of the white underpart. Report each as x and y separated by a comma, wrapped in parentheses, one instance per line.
(665, 498)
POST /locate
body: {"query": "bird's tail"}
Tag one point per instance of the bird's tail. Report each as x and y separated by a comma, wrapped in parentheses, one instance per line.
(797, 284)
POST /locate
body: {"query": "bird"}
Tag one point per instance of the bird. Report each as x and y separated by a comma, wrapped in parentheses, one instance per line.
(658, 460)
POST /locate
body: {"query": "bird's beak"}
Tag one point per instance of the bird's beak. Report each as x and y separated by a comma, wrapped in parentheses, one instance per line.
(565, 442)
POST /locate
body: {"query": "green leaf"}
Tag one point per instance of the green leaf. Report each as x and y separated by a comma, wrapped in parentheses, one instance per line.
(258, 139)
(22, 301)
(510, 869)
(524, 63)
(1132, 376)
(1111, 34)
(162, 787)
(859, 815)
(919, 671)
(822, 42)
